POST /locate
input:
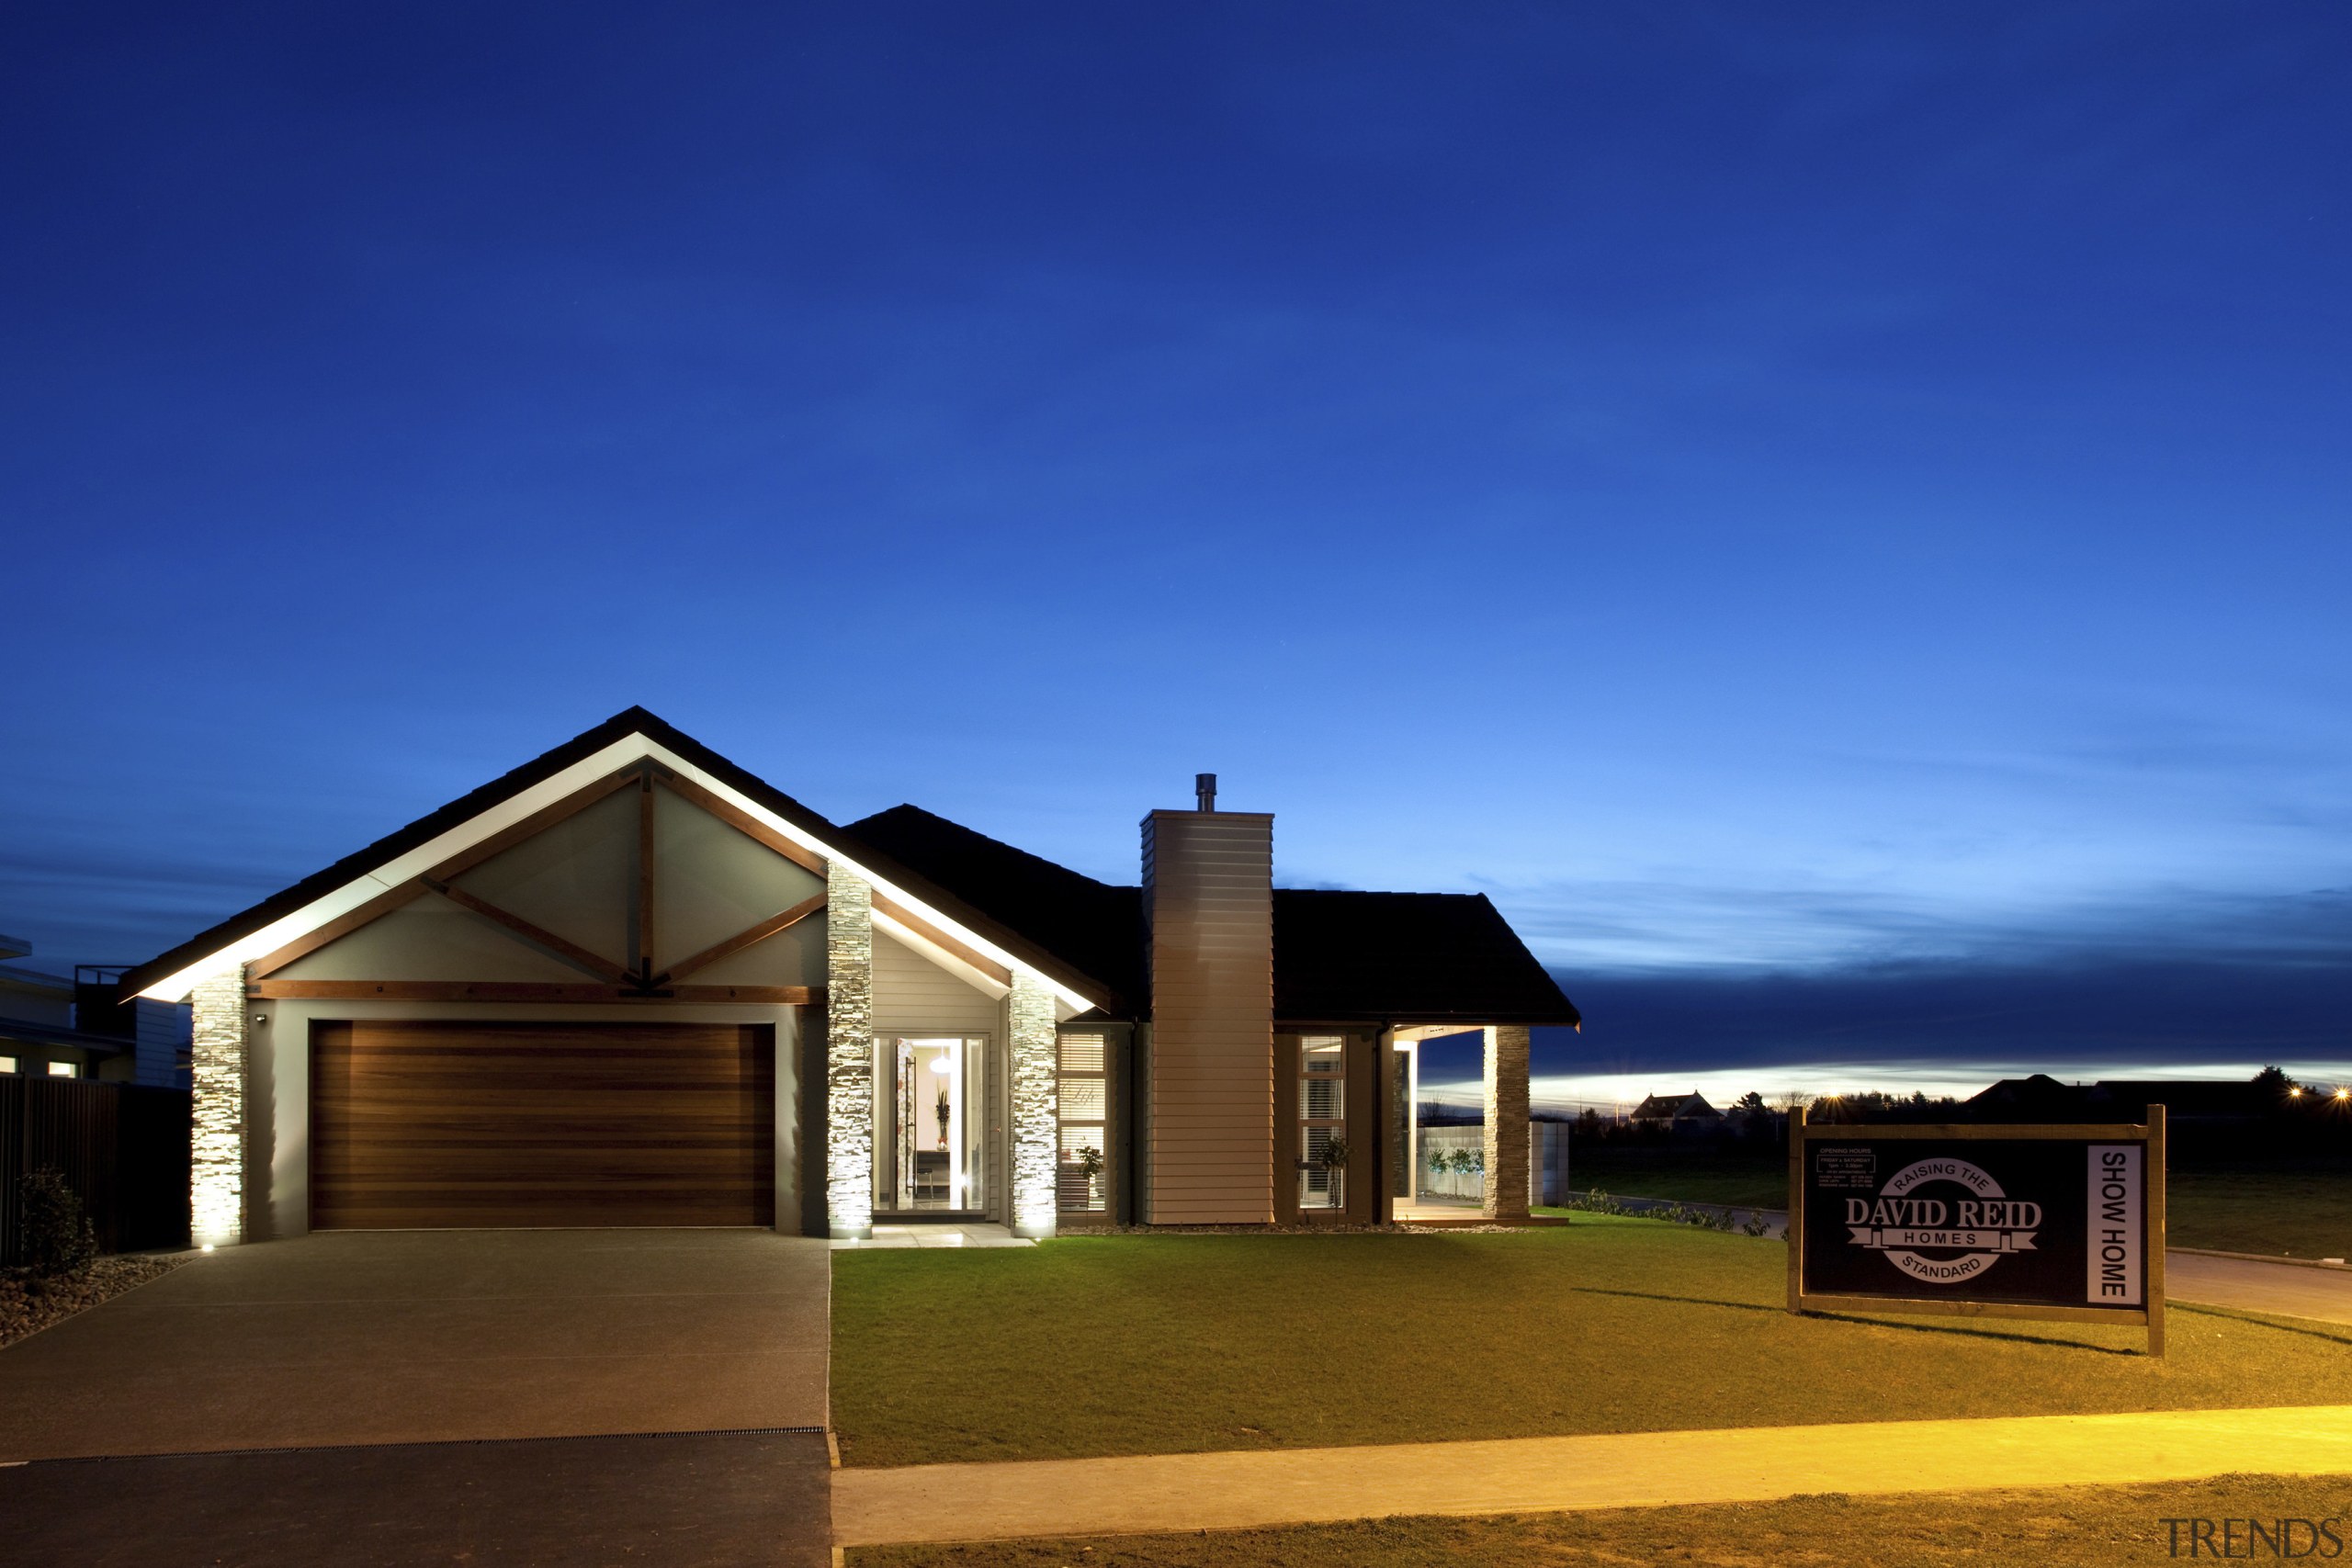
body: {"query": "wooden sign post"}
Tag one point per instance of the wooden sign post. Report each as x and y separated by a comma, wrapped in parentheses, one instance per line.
(2063, 1222)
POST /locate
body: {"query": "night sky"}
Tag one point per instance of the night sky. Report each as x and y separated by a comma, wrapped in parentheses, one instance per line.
(1835, 517)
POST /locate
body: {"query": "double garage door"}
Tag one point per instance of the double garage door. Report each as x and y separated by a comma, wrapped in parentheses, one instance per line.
(424, 1126)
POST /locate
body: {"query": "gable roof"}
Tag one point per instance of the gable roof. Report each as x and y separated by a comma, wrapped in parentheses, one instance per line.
(613, 735)
(1675, 1108)
(1339, 956)
(1407, 957)
(1093, 926)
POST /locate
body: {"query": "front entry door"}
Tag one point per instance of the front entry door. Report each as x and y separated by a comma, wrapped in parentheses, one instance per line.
(934, 1137)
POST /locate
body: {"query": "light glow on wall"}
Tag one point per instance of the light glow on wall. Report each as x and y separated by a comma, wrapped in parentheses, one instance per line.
(217, 1148)
(1036, 1107)
(849, 1053)
(580, 775)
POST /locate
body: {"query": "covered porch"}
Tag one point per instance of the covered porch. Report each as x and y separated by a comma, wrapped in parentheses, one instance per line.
(1462, 1170)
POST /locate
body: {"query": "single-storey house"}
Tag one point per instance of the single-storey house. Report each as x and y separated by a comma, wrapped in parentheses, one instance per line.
(632, 983)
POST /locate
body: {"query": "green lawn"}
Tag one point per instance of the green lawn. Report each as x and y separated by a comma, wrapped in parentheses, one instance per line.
(2292, 1212)
(2057, 1527)
(1744, 1183)
(1111, 1345)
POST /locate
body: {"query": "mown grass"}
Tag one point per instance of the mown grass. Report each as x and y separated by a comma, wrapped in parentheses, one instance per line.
(1741, 1181)
(2287, 1211)
(1115, 1345)
(2284, 1210)
(2054, 1527)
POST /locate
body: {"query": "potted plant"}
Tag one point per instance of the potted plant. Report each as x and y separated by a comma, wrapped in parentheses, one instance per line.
(1333, 1158)
(1075, 1178)
(943, 1116)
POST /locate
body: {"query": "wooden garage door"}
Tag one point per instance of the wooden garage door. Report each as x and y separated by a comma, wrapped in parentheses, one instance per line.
(432, 1126)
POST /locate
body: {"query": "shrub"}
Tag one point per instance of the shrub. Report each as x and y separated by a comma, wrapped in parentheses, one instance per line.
(58, 1238)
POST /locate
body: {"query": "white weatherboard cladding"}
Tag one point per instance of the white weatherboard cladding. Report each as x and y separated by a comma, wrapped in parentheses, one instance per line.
(572, 879)
(1208, 878)
(429, 939)
(711, 880)
(914, 996)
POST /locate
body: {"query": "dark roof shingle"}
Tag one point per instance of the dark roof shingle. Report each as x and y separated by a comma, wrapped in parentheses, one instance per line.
(1339, 956)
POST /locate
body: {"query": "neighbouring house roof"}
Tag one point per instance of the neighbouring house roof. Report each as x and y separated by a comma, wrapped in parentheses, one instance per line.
(1675, 1108)
(634, 721)
(1339, 956)
(26, 1032)
(2125, 1099)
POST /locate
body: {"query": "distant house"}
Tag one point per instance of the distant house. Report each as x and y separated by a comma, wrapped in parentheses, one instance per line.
(1683, 1113)
(52, 1026)
(2042, 1098)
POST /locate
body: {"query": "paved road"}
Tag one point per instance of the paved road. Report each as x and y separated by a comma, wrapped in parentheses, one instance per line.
(1231, 1491)
(2285, 1289)
(709, 1502)
(408, 1337)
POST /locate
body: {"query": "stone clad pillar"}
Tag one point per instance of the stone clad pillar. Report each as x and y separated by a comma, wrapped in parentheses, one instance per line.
(849, 1054)
(1036, 1110)
(217, 1151)
(1507, 1107)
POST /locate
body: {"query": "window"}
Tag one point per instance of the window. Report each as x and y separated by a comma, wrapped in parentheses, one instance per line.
(7, 1064)
(1322, 1121)
(1083, 1172)
(62, 1070)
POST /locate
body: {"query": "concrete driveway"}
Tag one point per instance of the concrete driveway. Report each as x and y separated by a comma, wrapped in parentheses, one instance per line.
(415, 1337)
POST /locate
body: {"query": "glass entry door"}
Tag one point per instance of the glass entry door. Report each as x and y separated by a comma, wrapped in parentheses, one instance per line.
(933, 1143)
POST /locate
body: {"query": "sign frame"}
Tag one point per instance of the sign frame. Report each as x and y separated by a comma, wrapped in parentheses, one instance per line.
(2151, 1133)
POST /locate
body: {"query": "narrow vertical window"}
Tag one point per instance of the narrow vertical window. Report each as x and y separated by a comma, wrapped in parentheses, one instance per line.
(1083, 1172)
(1322, 1121)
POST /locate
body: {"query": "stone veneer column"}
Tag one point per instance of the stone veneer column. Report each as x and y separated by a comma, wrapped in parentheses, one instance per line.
(1036, 1112)
(1506, 1196)
(849, 1053)
(216, 1183)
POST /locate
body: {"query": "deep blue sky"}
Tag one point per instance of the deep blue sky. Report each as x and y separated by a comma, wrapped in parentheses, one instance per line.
(1849, 499)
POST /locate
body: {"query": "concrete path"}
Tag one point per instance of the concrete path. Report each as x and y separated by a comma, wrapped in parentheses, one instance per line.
(1229, 1491)
(653, 1502)
(408, 1336)
(2287, 1290)
(935, 1234)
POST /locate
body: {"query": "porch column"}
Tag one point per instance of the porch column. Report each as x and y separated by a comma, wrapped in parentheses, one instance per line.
(1506, 1183)
(849, 1053)
(1036, 1105)
(217, 1151)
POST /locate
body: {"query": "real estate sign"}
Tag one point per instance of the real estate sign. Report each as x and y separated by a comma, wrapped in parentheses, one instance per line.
(2055, 1222)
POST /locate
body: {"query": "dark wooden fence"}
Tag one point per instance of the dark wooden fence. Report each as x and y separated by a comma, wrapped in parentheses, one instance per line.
(123, 1147)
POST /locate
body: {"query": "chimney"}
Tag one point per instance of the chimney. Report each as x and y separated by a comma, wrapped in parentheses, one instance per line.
(1208, 906)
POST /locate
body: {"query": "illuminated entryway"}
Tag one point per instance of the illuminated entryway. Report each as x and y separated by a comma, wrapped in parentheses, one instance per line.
(934, 1141)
